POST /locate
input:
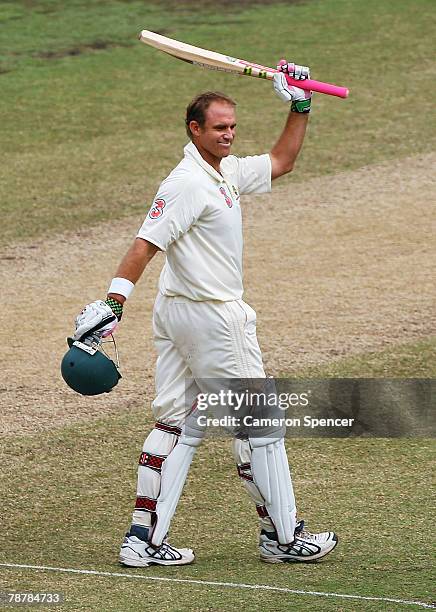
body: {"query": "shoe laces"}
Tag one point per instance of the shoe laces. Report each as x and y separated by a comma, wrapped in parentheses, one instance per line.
(302, 533)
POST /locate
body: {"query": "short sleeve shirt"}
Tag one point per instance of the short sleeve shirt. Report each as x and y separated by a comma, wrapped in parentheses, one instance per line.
(196, 219)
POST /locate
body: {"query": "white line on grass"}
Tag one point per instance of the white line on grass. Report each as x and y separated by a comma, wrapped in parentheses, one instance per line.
(234, 585)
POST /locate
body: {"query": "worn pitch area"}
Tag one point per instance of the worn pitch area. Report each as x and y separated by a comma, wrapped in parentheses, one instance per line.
(334, 266)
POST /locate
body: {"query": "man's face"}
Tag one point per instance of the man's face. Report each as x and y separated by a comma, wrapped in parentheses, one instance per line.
(215, 138)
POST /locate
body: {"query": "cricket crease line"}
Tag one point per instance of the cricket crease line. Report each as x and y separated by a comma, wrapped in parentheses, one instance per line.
(234, 585)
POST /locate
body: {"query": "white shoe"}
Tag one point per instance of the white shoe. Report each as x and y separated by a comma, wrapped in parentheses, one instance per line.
(306, 546)
(139, 553)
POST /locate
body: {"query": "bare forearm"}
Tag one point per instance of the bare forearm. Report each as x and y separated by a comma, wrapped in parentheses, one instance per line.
(134, 262)
(285, 152)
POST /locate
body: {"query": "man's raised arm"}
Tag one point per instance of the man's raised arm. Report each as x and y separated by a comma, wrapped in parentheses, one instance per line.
(285, 151)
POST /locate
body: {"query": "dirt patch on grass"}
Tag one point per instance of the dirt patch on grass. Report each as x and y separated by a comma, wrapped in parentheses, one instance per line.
(235, 6)
(97, 45)
(335, 266)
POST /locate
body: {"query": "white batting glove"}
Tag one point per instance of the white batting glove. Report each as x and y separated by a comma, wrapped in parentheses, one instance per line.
(95, 317)
(300, 99)
(299, 73)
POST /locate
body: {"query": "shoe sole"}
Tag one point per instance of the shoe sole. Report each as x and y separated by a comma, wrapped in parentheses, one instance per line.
(129, 562)
(312, 559)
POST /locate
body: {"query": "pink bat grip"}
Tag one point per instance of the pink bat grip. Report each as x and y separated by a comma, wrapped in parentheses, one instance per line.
(319, 86)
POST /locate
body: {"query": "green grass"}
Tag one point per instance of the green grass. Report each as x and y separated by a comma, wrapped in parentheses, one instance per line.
(92, 119)
(67, 497)
(409, 360)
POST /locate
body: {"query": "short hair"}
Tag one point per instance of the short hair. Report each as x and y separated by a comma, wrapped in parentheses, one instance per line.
(196, 110)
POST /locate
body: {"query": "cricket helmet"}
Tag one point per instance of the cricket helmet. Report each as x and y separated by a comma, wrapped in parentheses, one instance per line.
(87, 369)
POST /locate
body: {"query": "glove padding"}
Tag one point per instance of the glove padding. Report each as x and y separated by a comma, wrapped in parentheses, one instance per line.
(290, 93)
(299, 73)
(96, 317)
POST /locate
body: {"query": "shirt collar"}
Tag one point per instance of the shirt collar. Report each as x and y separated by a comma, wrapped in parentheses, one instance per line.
(193, 153)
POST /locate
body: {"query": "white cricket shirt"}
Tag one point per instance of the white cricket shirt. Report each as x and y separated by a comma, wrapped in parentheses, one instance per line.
(196, 219)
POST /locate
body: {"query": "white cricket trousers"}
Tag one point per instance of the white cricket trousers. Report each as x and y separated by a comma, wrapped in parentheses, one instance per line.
(200, 340)
(195, 341)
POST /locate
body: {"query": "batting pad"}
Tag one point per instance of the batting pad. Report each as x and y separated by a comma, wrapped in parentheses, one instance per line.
(175, 469)
(270, 470)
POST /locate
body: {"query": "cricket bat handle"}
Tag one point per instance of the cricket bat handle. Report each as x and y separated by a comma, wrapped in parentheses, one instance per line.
(319, 86)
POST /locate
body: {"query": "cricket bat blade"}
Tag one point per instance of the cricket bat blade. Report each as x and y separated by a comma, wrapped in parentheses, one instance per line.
(217, 61)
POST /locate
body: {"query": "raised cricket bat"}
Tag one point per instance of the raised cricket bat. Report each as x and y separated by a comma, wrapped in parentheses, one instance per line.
(225, 63)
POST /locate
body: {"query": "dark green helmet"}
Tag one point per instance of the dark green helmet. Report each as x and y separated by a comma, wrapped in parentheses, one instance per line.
(87, 370)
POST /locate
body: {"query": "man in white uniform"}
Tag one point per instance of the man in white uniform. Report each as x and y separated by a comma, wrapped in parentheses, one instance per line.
(203, 330)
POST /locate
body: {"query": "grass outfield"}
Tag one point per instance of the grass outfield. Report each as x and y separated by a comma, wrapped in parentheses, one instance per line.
(92, 119)
(68, 497)
(410, 360)
(68, 494)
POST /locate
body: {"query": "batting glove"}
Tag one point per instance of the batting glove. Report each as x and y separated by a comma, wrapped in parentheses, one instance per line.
(97, 317)
(300, 99)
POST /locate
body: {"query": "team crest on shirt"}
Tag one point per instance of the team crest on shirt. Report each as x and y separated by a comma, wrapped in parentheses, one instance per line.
(226, 197)
(156, 210)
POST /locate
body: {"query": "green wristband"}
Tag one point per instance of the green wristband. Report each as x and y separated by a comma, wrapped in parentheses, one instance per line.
(301, 106)
(117, 307)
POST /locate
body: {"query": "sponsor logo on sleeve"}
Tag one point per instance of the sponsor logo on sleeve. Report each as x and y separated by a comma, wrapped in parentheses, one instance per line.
(156, 210)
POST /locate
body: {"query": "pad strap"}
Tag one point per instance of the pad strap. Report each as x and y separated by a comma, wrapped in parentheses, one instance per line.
(262, 511)
(244, 471)
(171, 429)
(145, 503)
(152, 461)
